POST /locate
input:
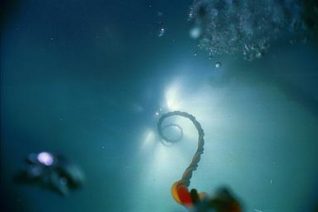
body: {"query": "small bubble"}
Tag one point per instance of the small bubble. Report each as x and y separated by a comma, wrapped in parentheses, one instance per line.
(218, 64)
(157, 113)
(161, 32)
(258, 55)
(190, 15)
(195, 32)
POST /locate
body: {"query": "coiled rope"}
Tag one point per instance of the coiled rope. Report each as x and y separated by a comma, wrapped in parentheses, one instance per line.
(187, 174)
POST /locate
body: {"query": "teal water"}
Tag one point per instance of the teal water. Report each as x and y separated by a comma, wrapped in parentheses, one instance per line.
(89, 79)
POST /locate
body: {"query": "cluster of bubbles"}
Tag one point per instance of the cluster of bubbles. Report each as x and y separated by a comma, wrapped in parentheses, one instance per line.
(244, 27)
(161, 24)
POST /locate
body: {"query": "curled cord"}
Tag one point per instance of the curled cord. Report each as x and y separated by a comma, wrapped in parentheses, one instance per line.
(187, 174)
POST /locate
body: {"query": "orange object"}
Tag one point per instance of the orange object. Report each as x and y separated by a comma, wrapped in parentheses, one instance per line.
(181, 194)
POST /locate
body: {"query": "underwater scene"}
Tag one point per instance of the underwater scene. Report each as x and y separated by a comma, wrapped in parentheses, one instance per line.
(159, 105)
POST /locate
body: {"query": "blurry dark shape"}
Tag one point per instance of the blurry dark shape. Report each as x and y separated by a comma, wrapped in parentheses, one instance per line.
(7, 10)
(51, 171)
(194, 196)
(223, 201)
(13, 201)
(311, 15)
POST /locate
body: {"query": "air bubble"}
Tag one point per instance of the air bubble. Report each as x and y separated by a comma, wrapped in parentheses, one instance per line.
(195, 32)
(162, 31)
(218, 64)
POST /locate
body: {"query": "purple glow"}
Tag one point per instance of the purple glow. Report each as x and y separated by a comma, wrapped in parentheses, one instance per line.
(45, 158)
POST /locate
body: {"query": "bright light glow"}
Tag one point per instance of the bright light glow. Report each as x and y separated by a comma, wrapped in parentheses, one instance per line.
(199, 102)
(167, 160)
(162, 164)
(45, 158)
(149, 138)
(172, 97)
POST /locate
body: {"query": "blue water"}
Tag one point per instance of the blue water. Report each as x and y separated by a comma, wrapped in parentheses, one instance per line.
(88, 79)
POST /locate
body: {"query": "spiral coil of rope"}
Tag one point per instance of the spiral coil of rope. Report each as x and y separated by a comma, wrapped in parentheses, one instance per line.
(187, 174)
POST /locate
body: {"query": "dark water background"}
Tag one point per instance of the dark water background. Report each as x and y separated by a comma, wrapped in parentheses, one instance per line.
(86, 78)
